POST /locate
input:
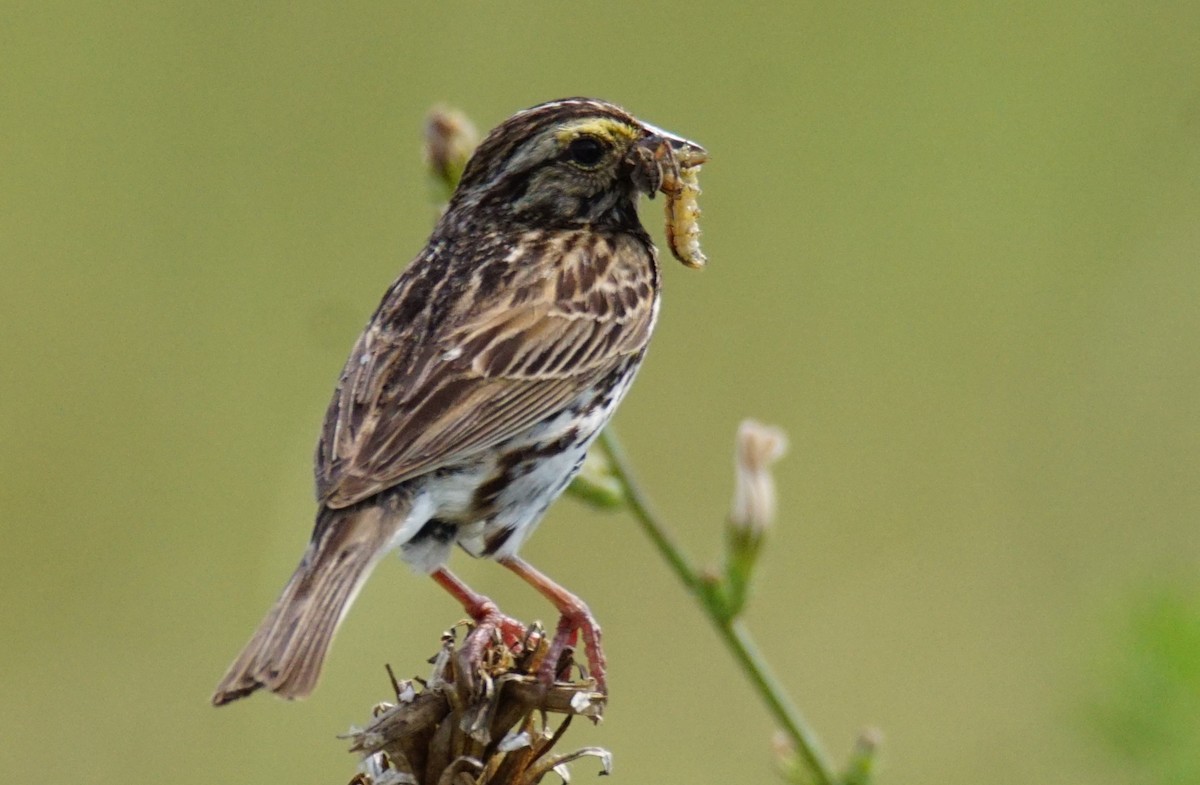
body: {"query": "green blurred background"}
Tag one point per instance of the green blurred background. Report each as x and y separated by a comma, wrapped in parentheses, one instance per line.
(953, 252)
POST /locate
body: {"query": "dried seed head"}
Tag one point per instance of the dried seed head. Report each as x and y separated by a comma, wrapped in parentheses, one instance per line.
(758, 447)
(491, 728)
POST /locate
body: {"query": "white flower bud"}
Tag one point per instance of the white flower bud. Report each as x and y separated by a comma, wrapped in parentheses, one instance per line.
(450, 138)
(758, 447)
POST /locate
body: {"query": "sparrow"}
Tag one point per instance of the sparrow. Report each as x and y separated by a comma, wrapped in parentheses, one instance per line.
(491, 364)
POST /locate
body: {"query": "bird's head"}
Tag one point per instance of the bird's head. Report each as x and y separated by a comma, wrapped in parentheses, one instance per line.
(568, 163)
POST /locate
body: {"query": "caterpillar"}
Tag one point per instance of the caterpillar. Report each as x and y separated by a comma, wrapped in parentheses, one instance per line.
(681, 185)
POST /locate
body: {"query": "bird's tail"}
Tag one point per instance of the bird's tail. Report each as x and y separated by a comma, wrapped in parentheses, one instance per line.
(287, 650)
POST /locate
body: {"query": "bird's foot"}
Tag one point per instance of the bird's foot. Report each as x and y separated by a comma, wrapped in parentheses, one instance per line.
(495, 638)
(574, 622)
(509, 631)
(495, 644)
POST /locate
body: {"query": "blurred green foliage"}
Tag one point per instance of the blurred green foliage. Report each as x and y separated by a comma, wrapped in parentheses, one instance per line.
(953, 253)
(1150, 712)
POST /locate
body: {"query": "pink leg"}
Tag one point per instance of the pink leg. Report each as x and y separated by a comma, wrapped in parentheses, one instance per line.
(575, 619)
(485, 613)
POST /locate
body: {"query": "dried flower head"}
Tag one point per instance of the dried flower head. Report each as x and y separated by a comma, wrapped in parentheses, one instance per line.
(758, 447)
(481, 723)
(450, 138)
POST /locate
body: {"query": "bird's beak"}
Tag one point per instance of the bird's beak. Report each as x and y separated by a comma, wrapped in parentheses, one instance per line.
(687, 152)
(657, 150)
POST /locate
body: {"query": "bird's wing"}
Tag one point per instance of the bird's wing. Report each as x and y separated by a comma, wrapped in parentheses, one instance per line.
(420, 393)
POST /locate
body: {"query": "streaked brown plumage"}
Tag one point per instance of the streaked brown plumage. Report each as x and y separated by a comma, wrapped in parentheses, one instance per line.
(470, 399)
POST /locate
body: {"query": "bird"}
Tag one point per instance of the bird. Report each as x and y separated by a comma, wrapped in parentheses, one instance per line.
(470, 399)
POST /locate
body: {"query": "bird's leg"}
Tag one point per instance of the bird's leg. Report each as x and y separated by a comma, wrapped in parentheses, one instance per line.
(575, 619)
(483, 611)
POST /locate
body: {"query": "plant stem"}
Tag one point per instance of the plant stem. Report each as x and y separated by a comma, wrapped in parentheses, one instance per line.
(745, 651)
(735, 635)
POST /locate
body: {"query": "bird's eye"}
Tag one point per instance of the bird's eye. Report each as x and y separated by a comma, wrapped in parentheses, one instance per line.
(586, 151)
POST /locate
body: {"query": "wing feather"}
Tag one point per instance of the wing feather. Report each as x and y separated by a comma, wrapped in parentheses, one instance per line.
(410, 402)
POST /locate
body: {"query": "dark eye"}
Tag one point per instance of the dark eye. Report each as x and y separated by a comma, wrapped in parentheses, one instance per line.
(586, 151)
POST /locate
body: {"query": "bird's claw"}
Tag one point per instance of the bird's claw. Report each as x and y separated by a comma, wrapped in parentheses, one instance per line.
(570, 628)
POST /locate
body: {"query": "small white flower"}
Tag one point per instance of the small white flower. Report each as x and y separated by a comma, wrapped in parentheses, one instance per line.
(758, 447)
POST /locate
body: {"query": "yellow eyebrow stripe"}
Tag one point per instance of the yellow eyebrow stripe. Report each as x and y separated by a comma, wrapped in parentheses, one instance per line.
(605, 128)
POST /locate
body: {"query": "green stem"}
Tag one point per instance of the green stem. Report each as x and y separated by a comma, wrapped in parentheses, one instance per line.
(745, 651)
(732, 632)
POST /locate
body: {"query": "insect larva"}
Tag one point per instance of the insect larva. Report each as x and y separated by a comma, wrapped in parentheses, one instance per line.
(682, 186)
